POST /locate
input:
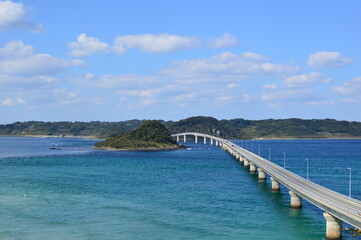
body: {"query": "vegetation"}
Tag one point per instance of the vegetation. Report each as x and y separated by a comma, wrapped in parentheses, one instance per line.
(270, 128)
(152, 135)
(95, 129)
(234, 128)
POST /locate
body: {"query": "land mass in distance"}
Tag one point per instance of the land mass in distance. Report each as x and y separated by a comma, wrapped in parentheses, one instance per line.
(239, 128)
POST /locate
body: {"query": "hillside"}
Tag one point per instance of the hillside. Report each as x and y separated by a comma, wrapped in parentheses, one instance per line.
(269, 128)
(151, 135)
(235, 128)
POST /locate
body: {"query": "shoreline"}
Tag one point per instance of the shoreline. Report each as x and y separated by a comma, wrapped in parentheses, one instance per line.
(53, 136)
(153, 149)
(273, 138)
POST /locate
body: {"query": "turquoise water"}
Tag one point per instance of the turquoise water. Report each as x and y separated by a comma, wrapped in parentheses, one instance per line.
(199, 193)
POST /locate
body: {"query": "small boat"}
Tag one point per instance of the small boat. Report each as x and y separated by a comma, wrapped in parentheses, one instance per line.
(54, 148)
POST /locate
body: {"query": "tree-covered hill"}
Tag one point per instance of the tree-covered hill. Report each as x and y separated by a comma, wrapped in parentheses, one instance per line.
(151, 135)
(234, 128)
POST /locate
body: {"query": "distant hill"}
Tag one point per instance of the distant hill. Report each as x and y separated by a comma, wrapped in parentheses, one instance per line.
(151, 135)
(269, 128)
(234, 128)
(96, 128)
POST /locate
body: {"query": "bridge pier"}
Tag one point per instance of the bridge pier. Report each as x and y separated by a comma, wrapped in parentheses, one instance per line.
(196, 139)
(252, 168)
(333, 226)
(216, 142)
(204, 140)
(275, 185)
(246, 163)
(184, 138)
(177, 138)
(261, 174)
(296, 201)
(241, 159)
(211, 141)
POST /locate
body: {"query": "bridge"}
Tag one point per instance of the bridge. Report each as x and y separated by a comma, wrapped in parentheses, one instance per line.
(338, 207)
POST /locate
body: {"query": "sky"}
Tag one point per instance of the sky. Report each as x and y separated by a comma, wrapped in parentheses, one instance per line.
(114, 60)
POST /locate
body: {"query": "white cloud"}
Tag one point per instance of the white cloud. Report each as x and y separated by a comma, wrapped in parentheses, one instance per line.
(21, 82)
(141, 93)
(7, 102)
(64, 96)
(226, 66)
(98, 101)
(303, 80)
(52, 96)
(155, 43)
(292, 95)
(352, 87)
(270, 86)
(86, 46)
(39, 64)
(16, 16)
(121, 81)
(18, 59)
(150, 43)
(328, 60)
(12, 102)
(226, 40)
(195, 80)
(232, 85)
(225, 98)
(21, 101)
(16, 49)
(322, 102)
(146, 102)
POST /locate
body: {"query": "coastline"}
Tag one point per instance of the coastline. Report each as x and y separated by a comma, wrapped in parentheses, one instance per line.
(151, 149)
(52, 136)
(271, 138)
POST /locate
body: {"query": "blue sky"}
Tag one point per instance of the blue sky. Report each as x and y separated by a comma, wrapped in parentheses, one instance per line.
(119, 60)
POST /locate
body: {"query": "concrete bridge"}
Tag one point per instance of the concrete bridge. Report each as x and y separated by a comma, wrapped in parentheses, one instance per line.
(338, 207)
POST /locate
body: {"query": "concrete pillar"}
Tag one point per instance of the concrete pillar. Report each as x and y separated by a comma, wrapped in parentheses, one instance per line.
(241, 159)
(237, 156)
(252, 168)
(177, 138)
(261, 174)
(275, 185)
(333, 226)
(220, 144)
(184, 138)
(196, 139)
(204, 140)
(246, 163)
(296, 201)
(211, 141)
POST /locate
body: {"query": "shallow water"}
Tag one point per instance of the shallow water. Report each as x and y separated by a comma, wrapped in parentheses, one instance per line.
(202, 193)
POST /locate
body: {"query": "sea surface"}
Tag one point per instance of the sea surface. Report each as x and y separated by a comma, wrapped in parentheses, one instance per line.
(199, 193)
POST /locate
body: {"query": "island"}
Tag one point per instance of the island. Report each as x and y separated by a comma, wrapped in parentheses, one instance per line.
(150, 136)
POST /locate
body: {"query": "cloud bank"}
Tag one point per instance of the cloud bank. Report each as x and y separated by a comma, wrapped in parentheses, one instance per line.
(148, 43)
(328, 60)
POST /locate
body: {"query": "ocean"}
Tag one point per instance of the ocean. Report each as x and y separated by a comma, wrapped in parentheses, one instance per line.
(199, 193)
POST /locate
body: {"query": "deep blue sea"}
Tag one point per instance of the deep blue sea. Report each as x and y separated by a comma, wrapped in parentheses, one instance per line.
(199, 193)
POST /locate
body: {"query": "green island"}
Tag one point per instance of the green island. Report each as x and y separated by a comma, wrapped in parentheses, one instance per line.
(150, 136)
